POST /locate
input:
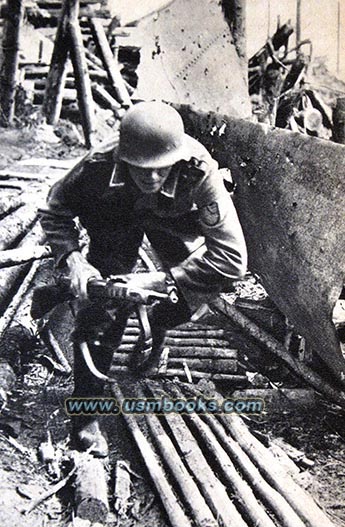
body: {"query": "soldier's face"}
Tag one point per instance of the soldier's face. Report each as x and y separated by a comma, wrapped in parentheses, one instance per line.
(149, 180)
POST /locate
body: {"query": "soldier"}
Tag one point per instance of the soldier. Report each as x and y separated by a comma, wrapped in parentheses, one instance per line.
(159, 181)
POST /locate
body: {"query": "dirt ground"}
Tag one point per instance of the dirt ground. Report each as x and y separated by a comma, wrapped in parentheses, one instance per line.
(36, 404)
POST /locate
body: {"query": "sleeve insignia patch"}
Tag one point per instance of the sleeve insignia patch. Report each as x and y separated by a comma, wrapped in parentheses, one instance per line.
(210, 215)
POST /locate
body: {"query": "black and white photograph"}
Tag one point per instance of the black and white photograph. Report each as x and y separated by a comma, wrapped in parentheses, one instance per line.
(172, 263)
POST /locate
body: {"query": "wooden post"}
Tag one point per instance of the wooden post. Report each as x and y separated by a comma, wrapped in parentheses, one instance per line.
(109, 62)
(81, 74)
(10, 46)
(339, 121)
(57, 73)
(298, 23)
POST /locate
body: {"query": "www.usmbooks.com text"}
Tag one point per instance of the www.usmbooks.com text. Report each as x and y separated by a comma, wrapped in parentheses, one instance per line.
(163, 405)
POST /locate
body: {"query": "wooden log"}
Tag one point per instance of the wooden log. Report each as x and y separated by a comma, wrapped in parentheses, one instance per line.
(175, 512)
(68, 96)
(22, 255)
(243, 493)
(195, 501)
(57, 72)
(204, 352)
(301, 502)
(7, 381)
(108, 61)
(59, 164)
(206, 364)
(41, 84)
(267, 494)
(201, 333)
(9, 276)
(339, 121)
(9, 204)
(11, 310)
(91, 493)
(196, 341)
(26, 176)
(221, 377)
(175, 351)
(174, 372)
(94, 59)
(85, 101)
(20, 185)
(196, 351)
(56, 4)
(15, 225)
(299, 368)
(213, 490)
(54, 345)
(105, 100)
(14, 14)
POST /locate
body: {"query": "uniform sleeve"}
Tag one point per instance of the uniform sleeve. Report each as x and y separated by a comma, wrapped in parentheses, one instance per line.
(57, 217)
(223, 258)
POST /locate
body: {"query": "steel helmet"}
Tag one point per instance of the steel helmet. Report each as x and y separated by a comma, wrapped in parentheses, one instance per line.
(152, 136)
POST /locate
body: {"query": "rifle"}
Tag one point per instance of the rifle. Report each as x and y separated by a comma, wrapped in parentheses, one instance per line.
(114, 290)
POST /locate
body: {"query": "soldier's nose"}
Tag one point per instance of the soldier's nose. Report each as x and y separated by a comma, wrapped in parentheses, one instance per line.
(154, 176)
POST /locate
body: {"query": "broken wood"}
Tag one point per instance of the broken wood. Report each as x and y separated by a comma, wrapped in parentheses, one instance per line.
(14, 13)
(21, 255)
(122, 492)
(50, 492)
(299, 368)
(109, 62)
(91, 492)
(175, 512)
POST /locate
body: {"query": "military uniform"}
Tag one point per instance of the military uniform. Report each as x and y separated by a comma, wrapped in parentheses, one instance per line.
(191, 223)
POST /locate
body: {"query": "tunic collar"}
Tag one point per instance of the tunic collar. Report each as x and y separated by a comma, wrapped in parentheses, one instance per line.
(120, 174)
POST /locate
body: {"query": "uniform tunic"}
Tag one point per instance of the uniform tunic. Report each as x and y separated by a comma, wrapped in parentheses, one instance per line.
(191, 222)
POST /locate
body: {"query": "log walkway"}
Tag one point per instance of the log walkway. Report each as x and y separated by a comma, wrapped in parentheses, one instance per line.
(208, 469)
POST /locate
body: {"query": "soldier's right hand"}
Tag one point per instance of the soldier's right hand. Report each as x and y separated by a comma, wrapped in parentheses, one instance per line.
(80, 272)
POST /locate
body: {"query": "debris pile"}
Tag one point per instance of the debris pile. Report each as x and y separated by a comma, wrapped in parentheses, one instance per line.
(282, 91)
